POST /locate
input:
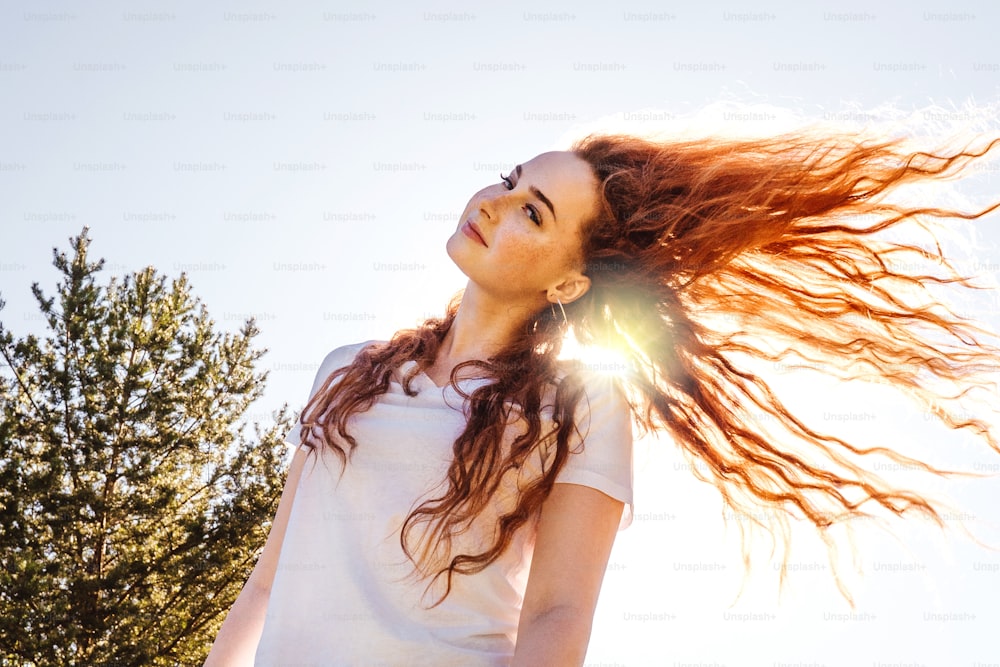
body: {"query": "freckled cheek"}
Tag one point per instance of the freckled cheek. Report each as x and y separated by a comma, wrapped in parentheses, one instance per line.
(531, 259)
(540, 258)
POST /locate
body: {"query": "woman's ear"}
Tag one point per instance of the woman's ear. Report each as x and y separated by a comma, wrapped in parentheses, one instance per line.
(570, 289)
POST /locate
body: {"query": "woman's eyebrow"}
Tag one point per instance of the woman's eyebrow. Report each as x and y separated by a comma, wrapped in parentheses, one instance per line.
(538, 193)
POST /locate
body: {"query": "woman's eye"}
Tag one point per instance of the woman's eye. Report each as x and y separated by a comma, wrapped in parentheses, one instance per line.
(537, 219)
(533, 214)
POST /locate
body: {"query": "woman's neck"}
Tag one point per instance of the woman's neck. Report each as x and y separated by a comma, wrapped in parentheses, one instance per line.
(483, 326)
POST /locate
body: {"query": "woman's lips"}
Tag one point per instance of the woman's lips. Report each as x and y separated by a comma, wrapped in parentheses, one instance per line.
(470, 230)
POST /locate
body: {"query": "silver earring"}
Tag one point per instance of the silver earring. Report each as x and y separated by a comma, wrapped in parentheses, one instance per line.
(562, 309)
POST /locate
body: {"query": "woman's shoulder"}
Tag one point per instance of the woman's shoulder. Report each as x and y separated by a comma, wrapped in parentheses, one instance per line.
(347, 352)
(341, 356)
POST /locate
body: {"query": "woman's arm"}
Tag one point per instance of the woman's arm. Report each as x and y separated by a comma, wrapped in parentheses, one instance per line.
(237, 640)
(576, 529)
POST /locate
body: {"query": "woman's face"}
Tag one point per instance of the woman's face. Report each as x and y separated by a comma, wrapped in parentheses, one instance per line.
(520, 238)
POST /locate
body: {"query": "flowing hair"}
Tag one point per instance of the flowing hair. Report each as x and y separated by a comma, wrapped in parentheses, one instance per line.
(711, 252)
(705, 254)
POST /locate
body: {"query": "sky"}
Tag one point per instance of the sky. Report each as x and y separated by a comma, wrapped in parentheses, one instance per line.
(304, 164)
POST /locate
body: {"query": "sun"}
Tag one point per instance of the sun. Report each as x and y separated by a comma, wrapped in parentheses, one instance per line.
(601, 360)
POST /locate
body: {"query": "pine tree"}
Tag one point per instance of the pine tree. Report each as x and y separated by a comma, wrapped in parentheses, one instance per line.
(133, 502)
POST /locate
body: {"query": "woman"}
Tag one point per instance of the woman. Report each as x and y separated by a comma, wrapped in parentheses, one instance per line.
(457, 490)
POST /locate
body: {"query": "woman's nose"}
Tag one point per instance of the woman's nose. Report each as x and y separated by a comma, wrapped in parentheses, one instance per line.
(492, 206)
(488, 209)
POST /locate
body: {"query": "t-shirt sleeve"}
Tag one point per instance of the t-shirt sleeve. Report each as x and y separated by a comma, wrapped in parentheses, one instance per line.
(604, 460)
(342, 356)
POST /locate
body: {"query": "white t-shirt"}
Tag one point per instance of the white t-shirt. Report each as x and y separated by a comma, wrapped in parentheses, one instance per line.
(340, 594)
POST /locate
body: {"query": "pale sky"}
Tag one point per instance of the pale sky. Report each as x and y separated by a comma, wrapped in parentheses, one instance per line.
(304, 163)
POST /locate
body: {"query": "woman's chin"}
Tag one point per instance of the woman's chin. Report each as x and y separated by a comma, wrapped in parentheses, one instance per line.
(453, 248)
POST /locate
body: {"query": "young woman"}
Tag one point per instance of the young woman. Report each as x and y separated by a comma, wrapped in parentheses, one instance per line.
(457, 490)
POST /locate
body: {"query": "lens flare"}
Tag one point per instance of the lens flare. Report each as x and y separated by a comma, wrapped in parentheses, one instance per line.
(597, 359)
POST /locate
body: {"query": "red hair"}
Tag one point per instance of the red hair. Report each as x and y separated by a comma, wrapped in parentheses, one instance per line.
(785, 237)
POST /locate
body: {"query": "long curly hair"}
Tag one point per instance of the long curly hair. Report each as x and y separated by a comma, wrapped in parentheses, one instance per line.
(706, 254)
